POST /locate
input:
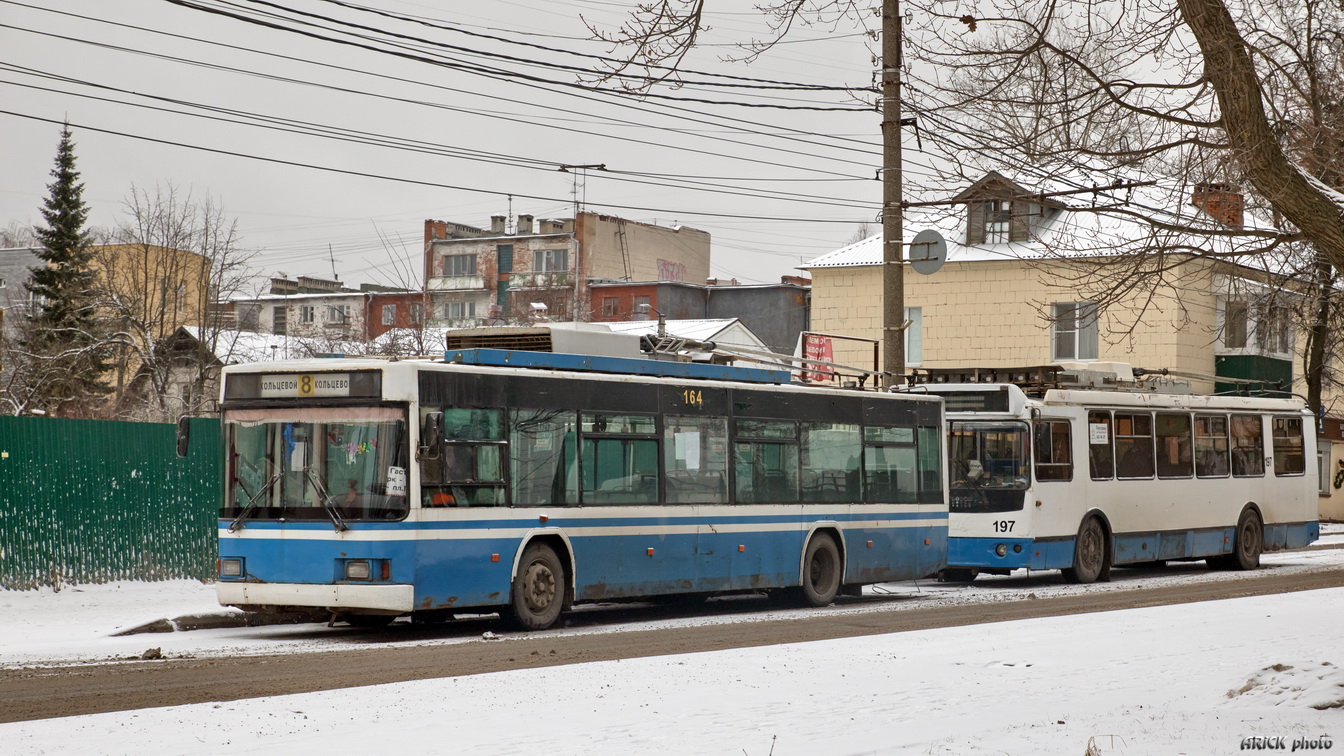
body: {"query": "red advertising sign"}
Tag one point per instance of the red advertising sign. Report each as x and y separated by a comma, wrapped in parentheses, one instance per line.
(817, 347)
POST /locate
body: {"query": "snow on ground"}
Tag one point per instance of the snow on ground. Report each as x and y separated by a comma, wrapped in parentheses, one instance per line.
(1192, 679)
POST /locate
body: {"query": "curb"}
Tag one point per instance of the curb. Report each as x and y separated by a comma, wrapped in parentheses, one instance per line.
(217, 620)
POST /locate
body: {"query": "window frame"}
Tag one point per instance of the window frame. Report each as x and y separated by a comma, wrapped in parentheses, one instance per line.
(1258, 469)
(1057, 470)
(1221, 458)
(544, 260)
(1181, 445)
(1069, 324)
(454, 267)
(1133, 439)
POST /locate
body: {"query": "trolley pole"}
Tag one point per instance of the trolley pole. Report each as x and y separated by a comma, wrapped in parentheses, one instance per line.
(893, 271)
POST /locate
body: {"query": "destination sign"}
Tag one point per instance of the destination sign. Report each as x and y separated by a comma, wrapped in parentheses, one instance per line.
(305, 385)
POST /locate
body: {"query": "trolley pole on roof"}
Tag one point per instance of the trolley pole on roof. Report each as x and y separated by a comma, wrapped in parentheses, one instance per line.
(893, 273)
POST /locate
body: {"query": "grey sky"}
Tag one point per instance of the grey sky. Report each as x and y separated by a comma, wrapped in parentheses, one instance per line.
(459, 141)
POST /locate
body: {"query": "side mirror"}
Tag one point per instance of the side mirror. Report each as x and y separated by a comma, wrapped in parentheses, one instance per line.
(431, 436)
(183, 435)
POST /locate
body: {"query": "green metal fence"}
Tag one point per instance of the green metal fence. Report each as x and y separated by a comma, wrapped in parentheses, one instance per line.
(86, 501)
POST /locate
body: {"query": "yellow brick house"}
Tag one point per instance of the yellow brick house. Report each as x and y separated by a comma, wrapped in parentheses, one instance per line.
(1032, 280)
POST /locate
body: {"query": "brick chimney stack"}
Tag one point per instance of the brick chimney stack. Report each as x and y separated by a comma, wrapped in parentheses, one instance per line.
(524, 225)
(497, 225)
(1221, 202)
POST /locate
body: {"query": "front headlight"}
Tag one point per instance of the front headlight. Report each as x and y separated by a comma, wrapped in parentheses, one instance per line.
(357, 569)
(230, 568)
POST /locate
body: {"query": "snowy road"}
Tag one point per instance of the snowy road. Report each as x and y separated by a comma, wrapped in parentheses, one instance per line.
(245, 663)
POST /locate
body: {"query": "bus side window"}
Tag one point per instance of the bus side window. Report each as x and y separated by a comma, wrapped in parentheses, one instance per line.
(1100, 439)
(1054, 456)
(1248, 446)
(695, 458)
(1211, 446)
(830, 462)
(1174, 448)
(1289, 456)
(765, 461)
(542, 457)
(1134, 444)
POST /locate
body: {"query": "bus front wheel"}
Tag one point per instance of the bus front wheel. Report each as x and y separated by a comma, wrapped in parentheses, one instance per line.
(821, 570)
(538, 592)
(1091, 560)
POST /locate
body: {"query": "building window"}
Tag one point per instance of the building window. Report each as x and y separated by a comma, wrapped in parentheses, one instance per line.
(1323, 468)
(459, 265)
(306, 313)
(460, 310)
(609, 307)
(550, 261)
(998, 220)
(641, 302)
(505, 255)
(914, 336)
(417, 313)
(1074, 331)
(1263, 327)
(279, 319)
(389, 314)
(1275, 329)
(338, 314)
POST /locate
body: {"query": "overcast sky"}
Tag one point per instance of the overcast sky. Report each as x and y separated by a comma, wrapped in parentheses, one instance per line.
(324, 149)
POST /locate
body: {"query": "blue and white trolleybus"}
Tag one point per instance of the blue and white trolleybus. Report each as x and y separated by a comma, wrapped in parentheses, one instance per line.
(525, 482)
(1047, 475)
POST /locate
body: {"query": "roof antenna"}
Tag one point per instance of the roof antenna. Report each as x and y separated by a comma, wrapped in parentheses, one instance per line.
(509, 229)
(332, 256)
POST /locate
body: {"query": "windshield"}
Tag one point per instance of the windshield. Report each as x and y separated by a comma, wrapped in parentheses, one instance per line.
(988, 465)
(318, 464)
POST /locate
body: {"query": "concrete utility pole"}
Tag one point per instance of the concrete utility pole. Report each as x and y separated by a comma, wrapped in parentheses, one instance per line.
(893, 270)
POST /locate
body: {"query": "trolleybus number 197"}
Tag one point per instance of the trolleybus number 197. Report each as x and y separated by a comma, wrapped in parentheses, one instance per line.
(1004, 526)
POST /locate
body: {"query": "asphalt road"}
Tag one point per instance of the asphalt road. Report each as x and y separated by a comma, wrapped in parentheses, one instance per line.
(40, 693)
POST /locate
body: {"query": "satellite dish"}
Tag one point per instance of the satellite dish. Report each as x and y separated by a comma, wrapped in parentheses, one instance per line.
(928, 252)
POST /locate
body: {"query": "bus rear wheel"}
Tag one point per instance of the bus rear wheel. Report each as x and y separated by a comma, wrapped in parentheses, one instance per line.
(1091, 558)
(538, 593)
(821, 570)
(1249, 542)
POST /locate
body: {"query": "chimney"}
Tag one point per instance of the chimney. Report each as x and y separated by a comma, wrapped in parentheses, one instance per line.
(1221, 202)
(524, 225)
(497, 225)
(435, 229)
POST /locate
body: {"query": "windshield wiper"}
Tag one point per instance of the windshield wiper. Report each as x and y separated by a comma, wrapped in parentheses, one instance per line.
(252, 502)
(336, 520)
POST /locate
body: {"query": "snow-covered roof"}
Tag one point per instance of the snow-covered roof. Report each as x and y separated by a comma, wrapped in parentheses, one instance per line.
(1076, 226)
(723, 331)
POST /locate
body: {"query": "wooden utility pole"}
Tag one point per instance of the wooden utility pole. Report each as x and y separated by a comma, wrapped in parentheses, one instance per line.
(893, 270)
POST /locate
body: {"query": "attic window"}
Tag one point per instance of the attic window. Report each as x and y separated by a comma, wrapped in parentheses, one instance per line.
(997, 221)
(997, 216)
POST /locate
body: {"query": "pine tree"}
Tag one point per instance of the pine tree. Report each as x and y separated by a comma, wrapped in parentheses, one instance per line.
(63, 337)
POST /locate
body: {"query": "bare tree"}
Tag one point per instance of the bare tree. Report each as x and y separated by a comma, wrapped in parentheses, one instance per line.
(1229, 93)
(17, 235)
(173, 260)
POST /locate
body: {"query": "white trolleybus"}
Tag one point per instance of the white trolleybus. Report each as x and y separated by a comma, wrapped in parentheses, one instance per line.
(525, 482)
(1081, 470)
